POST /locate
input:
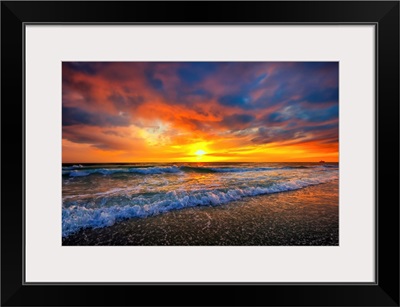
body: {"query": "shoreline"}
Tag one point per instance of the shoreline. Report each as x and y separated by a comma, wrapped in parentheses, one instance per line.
(308, 216)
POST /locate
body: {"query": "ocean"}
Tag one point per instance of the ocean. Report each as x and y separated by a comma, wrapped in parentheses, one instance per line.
(100, 195)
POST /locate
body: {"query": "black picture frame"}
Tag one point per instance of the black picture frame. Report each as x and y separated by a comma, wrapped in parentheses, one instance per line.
(383, 14)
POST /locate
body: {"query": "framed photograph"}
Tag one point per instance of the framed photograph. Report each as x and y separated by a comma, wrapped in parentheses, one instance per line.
(240, 147)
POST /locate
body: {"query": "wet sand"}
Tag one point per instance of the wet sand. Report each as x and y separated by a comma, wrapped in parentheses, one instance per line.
(309, 216)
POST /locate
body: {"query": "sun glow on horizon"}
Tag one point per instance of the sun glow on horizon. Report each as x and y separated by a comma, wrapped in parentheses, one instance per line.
(200, 152)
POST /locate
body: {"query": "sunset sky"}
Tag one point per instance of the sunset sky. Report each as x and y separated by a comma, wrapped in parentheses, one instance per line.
(199, 111)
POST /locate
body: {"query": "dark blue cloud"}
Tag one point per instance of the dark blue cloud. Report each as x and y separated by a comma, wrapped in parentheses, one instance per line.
(322, 115)
(267, 135)
(238, 120)
(299, 112)
(201, 93)
(276, 117)
(317, 128)
(315, 82)
(282, 93)
(188, 96)
(323, 95)
(317, 66)
(75, 116)
(241, 85)
(236, 100)
(154, 82)
(192, 73)
(260, 78)
(89, 68)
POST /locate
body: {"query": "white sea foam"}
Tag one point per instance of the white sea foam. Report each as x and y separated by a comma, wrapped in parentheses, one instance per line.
(77, 217)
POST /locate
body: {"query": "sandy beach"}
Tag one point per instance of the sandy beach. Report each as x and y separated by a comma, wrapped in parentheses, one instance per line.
(308, 216)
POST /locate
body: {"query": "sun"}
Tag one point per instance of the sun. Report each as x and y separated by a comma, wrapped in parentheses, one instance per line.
(200, 152)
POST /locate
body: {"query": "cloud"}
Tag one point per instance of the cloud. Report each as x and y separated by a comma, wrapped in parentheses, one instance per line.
(75, 116)
(237, 120)
(298, 112)
(89, 68)
(289, 135)
(195, 72)
(154, 82)
(118, 139)
(125, 102)
(235, 101)
(323, 95)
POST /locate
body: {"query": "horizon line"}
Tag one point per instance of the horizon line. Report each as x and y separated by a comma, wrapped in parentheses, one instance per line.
(204, 162)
